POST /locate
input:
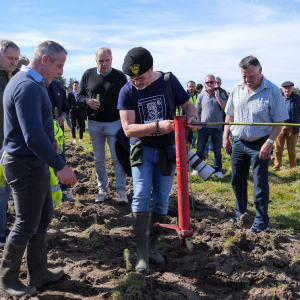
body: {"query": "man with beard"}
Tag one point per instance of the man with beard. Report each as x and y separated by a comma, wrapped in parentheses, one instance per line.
(146, 120)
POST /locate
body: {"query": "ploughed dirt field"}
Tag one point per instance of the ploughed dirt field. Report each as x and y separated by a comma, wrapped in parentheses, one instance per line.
(87, 240)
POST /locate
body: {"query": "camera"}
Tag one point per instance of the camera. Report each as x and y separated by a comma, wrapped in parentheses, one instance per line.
(194, 161)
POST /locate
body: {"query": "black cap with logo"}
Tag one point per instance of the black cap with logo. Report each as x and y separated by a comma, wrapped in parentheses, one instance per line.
(137, 62)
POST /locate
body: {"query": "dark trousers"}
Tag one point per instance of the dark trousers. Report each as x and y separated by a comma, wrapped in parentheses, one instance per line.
(244, 153)
(77, 115)
(29, 180)
(216, 137)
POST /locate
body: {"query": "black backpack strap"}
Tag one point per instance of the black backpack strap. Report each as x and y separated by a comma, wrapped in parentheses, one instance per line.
(169, 89)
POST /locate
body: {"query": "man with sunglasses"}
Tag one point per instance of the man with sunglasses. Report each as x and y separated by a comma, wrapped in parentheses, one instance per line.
(146, 120)
(211, 104)
(99, 88)
(254, 99)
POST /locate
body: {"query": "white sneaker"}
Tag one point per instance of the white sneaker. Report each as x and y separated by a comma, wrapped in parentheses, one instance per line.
(74, 141)
(81, 140)
(122, 197)
(101, 196)
(195, 172)
(219, 174)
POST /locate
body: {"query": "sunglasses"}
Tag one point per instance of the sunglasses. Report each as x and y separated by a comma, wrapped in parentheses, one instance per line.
(209, 82)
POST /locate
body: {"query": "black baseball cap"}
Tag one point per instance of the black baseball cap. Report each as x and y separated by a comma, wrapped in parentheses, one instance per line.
(137, 62)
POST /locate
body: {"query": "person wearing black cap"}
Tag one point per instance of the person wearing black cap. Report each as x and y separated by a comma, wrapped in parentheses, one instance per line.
(146, 120)
(288, 133)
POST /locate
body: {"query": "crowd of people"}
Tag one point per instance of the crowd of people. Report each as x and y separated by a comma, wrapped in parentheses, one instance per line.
(132, 103)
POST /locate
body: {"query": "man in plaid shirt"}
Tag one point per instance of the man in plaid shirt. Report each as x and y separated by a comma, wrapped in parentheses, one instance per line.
(255, 99)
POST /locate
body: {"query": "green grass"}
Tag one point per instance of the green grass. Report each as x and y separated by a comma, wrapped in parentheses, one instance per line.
(128, 287)
(284, 206)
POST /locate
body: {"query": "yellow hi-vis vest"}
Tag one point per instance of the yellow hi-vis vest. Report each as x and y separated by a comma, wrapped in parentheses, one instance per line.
(55, 189)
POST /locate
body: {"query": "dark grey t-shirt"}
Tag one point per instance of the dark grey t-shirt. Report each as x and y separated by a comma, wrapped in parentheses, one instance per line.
(209, 108)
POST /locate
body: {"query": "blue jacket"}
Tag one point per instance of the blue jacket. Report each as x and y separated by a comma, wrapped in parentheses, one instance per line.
(295, 109)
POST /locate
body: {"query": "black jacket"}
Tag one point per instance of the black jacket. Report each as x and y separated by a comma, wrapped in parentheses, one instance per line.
(295, 109)
(73, 104)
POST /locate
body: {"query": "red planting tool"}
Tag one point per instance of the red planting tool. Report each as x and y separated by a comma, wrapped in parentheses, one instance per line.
(184, 230)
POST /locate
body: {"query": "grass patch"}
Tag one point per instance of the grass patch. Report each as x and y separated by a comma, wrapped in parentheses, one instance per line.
(128, 287)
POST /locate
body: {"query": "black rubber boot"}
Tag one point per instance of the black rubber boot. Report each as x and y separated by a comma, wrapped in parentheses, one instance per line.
(154, 234)
(140, 221)
(36, 259)
(10, 269)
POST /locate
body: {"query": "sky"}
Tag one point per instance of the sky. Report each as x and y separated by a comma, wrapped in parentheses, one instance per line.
(189, 38)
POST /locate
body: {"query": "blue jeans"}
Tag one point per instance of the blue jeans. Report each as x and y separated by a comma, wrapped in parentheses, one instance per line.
(216, 137)
(147, 177)
(29, 180)
(4, 196)
(209, 146)
(68, 121)
(99, 133)
(243, 153)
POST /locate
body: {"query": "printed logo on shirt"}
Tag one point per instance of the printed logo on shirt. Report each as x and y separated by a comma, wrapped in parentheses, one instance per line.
(152, 109)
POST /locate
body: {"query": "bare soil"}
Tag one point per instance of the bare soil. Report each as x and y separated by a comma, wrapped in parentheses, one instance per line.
(87, 240)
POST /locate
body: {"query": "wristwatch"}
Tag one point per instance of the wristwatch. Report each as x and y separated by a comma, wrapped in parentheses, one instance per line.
(270, 141)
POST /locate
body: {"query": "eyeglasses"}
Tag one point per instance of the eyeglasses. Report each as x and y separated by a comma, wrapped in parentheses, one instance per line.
(209, 82)
(218, 82)
(141, 79)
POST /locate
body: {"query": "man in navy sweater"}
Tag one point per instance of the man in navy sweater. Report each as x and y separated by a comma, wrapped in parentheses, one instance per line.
(30, 150)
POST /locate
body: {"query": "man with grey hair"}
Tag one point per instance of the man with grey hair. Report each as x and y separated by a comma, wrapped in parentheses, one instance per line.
(30, 149)
(210, 105)
(9, 55)
(254, 99)
(99, 88)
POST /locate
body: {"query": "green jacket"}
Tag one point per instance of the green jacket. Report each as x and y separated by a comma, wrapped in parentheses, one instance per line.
(3, 82)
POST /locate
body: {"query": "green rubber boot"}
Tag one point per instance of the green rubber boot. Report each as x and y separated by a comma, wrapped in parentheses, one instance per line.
(10, 269)
(140, 221)
(36, 259)
(154, 234)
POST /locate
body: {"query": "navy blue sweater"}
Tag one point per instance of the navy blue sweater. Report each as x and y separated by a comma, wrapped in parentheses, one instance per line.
(28, 120)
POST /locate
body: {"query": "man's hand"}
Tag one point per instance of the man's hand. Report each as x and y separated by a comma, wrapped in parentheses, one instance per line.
(94, 104)
(265, 151)
(55, 145)
(166, 126)
(217, 93)
(67, 176)
(60, 121)
(192, 119)
(226, 145)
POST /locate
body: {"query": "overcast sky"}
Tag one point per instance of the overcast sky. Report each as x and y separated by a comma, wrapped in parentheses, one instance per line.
(189, 38)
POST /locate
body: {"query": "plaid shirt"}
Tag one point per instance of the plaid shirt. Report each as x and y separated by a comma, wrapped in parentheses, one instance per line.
(265, 105)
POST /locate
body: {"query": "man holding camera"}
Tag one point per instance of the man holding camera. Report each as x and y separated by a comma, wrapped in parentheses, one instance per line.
(210, 105)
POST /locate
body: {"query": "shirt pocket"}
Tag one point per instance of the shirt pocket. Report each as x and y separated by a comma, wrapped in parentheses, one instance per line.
(259, 110)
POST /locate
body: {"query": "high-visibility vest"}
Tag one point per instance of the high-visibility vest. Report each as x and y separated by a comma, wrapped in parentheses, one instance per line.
(55, 189)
